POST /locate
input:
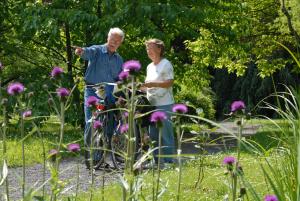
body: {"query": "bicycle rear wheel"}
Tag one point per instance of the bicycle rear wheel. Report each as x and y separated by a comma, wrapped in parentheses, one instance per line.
(119, 144)
(97, 148)
(119, 149)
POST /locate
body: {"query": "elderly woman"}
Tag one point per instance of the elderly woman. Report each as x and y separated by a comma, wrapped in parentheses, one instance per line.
(158, 84)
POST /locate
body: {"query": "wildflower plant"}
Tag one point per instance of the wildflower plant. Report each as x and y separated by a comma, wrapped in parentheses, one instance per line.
(56, 72)
(233, 166)
(3, 130)
(180, 109)
(130, 69)
(60, 101)
(271, 198)
(229, 161)
(15, 90)
(132, 183)
(132, 66)
(124, 128)
(97, 124)
(75, 148)
(157, 118)
(123, 76)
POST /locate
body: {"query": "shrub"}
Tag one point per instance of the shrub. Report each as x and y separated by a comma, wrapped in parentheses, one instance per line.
(201, 101)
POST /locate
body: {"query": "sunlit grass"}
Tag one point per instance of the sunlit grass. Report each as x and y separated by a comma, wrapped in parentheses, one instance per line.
(212, 188)
(33, 143)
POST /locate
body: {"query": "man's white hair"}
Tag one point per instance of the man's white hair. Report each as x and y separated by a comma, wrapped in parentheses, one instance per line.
(116, 30)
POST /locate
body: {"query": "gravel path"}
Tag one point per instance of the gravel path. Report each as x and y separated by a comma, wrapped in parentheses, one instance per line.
(68, 173)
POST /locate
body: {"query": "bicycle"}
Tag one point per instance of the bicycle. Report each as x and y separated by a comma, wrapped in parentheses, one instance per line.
(100, 138)
(120, 141)
(116, 143)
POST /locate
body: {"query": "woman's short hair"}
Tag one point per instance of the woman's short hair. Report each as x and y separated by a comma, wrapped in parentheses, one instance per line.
(116, 30)
(159, 43)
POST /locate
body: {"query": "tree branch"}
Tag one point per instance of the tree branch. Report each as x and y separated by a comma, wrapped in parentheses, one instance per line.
(50, 48)
(289, 20)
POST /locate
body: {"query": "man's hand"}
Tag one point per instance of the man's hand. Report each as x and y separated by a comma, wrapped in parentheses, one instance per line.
(78, 50)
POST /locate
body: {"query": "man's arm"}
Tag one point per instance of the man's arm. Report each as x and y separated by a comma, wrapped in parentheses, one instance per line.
(86, 53)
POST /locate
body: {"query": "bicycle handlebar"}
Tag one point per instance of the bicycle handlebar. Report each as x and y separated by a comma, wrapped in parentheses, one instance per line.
(101, 84)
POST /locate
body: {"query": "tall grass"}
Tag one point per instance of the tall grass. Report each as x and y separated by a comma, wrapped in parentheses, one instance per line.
(282, 174)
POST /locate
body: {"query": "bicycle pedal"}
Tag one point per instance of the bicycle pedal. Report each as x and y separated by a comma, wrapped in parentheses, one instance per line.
(106, 166)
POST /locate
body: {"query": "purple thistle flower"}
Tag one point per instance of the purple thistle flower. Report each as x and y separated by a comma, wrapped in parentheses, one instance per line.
(229, 160)
(180, 108)
(132, 66)
(121, 101)
(4, 101)
(27, 113)
(92, 101)
(123, 75)
(50, 101)
(158, 116)
(56, 71)
(124, 128)
(97, 124)
(53, 152)
(271, 198)
(237, 105)
(62, 92)
(125, 114)
(1, 66)
(74, 147)
(15, 88)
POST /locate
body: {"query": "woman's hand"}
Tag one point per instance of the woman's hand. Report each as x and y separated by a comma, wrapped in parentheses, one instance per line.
(143, 88)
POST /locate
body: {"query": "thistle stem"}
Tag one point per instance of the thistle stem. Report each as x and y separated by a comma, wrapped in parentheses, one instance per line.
(23, 156)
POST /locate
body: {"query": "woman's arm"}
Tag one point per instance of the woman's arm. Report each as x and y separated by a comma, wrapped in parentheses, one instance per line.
(161, 84)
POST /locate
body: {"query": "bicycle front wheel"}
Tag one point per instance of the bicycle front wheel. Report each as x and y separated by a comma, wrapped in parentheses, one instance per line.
(95, 153)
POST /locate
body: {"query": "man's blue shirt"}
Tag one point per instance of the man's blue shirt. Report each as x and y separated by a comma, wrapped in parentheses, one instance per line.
(102, 66)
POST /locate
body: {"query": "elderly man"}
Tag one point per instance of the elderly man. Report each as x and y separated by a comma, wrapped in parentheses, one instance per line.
(104, 65)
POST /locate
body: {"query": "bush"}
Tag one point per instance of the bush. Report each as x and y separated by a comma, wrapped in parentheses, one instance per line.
(198, 99)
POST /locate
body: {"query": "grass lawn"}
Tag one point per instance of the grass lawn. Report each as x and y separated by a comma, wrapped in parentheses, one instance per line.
(50, 132)
(214, 185)
(33, 142)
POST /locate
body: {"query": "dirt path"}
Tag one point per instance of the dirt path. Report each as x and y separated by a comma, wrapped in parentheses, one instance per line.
(68, 174)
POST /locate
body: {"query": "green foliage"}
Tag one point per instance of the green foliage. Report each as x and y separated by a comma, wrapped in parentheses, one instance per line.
(197, 99)
(242, 37)
(199, 35)
(250, 88)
